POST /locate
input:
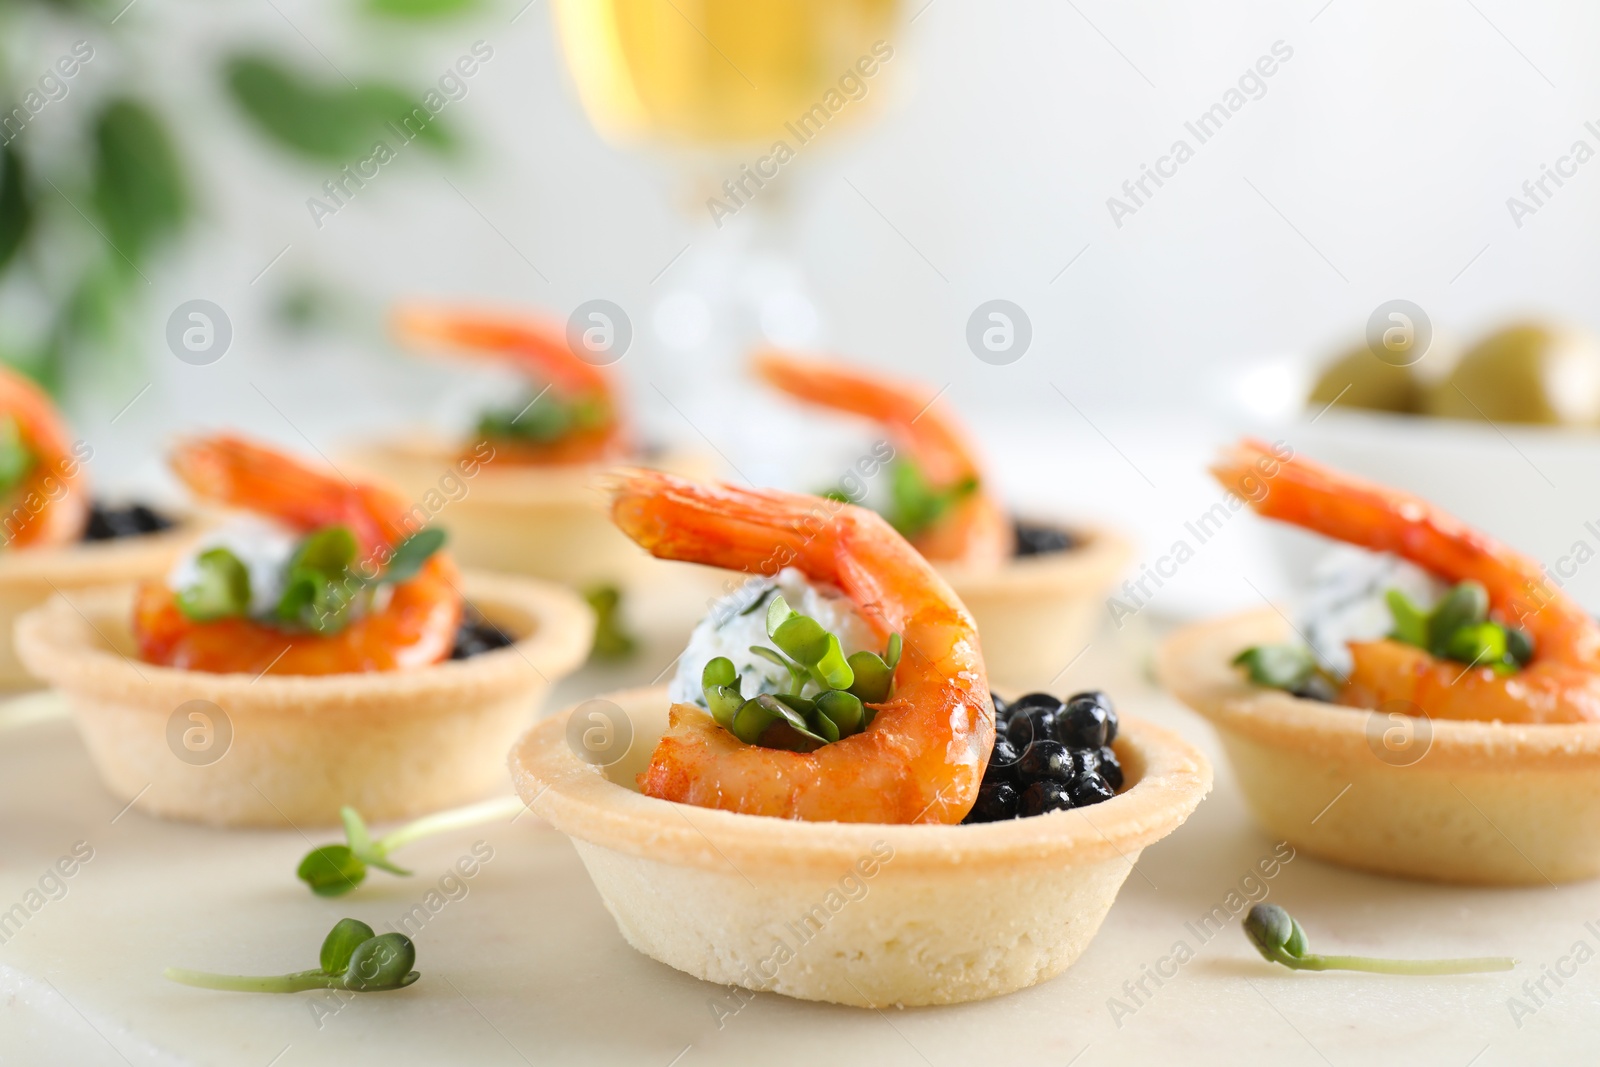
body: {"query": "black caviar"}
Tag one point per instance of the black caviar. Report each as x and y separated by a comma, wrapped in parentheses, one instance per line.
(1049, 755)
(107, 523)
(1040, 538)
(477, 635)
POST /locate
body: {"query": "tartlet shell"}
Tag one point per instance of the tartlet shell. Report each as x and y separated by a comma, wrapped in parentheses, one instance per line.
(1487, 804)
(391, 744)
(955, 913)
(1035, 613)
(31, 576)
(549, 522)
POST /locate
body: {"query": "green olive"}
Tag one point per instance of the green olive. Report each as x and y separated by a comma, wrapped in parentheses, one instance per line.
(1524, 373)
(1359, 379)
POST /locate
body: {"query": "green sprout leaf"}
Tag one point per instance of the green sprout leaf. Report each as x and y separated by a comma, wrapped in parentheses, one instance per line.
(892, 656)
(843, 711)
(410, 555)
(873, 678)
(221, 591)
(342, 942)
(612, 641)
(1279, 939)
(1459, 628)
(332, 870)
(719, 682)
(1287, 667)
(352, 958)
(16, 458)
(1410, 621)
(915, 504)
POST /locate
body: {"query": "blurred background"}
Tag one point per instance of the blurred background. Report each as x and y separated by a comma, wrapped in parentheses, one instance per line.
(1339, 155)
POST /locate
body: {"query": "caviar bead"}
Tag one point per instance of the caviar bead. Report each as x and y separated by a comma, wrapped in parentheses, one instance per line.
(1084, 721)
(1110, 767)
(1002, 762)
(1046, 760)
(996, 801)
(1089, 789)
(1038, 538)
(1042, 797)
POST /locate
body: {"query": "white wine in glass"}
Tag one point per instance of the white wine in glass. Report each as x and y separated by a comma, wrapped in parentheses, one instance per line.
(713, 73)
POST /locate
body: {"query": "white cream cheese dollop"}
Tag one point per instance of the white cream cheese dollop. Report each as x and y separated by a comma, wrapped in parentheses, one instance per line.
(739, 620)
(263, 546)
(1345, 601)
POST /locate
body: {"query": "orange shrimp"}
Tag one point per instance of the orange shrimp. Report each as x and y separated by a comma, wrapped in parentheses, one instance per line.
(975, 529)
(540, 350)
(923, 756)
(416, 627)
(1561, 684)
(50, 504)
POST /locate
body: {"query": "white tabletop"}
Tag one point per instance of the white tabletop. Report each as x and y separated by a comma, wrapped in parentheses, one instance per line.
(528, 966)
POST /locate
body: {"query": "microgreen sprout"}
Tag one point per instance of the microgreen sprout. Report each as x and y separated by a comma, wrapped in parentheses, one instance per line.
(1459, 628)
(333, 870)
(612, 641)
(1279, 939)
(841, 688)
(546, 420)
(353, 957)
(323, 584)
(1289, 667)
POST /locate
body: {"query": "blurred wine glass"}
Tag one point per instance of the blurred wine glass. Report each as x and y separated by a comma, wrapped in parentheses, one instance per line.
(712, 86)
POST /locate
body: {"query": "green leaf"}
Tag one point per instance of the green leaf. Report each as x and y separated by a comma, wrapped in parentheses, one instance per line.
(802, 639)
(410, 554)
(843, 711)
(612, 641)
(873, 677)
(332, 122)
(138, 188)
(382, 962)
(1483, 644)
(222, 590)
(1519, 646)
(16, 204)
(1287, 667)
(1410, 621)
(420, 9)
(331, 870)
(320, 590)
(778, 613)
(833, 671)
(915, 504)
(16, 458)
(1466, 604)
(342, 942)
(892, 655)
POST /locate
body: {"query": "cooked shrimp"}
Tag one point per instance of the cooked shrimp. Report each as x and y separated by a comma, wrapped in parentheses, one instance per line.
(1561, 684)
(923, 756)
(49, 505)
(416, 627)
(540, 350)
(975, 529)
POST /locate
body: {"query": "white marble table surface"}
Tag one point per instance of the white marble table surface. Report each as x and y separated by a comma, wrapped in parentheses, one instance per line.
(527, 967)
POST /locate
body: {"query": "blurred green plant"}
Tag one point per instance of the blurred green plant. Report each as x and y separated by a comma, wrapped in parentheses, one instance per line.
(79, 227)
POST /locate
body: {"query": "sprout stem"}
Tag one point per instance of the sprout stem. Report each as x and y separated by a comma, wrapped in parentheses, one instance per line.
(1279, 939)
(1471, 965)
(242, 983)
(454, 819)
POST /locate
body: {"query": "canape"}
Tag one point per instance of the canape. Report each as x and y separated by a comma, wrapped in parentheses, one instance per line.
(1034, 585)
(54, 536)
(1449, 733)
(797, 815)
(315, 654)
(519, 494)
